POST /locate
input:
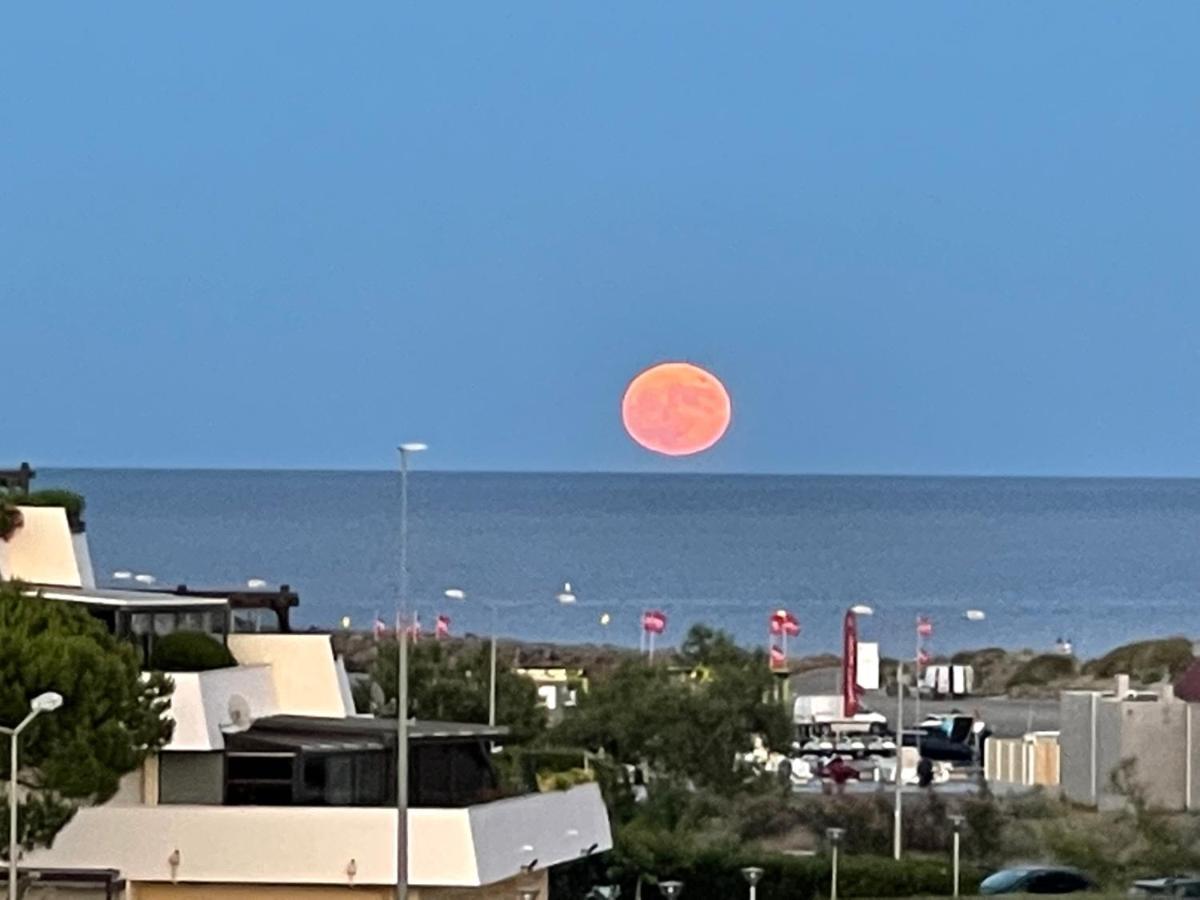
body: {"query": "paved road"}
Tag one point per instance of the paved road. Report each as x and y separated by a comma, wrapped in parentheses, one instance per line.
(1006, 717)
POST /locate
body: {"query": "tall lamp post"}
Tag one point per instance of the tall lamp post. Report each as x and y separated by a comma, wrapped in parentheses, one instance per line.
(898, 812)
(565, 597)
(406, 450)
(42, 703)
(459, 594)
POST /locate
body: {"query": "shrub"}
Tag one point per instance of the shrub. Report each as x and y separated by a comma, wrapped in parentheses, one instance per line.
(715, 874)
(1043, 670)
(1144, 661)
(70, 501)
(189, 651)
(10, 519)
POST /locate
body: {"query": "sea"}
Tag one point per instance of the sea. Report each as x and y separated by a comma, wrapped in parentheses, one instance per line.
(1098, 562)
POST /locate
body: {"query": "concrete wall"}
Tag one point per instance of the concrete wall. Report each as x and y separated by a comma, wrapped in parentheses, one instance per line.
(1075, 746)
(506, 890)
(42, 550)
(303, 669)
(1110, 751)
(191, 778)
(280, 845)
(161, 891)
(1153, 734)
(200, 703)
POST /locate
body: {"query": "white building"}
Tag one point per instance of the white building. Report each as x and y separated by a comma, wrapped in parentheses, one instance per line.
(272, 786)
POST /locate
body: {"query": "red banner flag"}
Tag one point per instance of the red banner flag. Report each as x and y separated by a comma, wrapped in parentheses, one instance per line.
(442, 629)
(924, 626)
(654, 621)
(778, 660)
(849, 665)
(923, 658)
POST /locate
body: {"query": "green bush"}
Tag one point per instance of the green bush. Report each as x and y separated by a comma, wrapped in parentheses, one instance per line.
(1144, 661)
(70, 501)
(715, 874)
(189, 651)
(1042, 670)
(10, 519)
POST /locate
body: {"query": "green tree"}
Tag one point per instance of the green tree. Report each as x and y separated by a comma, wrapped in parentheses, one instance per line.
(692, 728)
(112, 715)
(451, 683)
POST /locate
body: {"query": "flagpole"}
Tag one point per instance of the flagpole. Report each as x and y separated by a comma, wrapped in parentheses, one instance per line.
(917, 685)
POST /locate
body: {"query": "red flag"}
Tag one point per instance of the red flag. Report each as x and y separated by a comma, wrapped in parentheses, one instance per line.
(923, 658)
(776, 626)
(778, 660)
(442, 629)
(850, 688)
(379, 628)
(791, 625)
(924, 626)
(654, 621)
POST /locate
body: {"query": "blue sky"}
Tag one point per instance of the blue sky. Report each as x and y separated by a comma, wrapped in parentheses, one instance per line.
(910, 238)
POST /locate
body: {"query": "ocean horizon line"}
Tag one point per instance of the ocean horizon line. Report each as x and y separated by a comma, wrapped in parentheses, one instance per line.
(434, 470)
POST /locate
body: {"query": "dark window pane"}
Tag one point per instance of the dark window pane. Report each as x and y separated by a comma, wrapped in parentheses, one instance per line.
(339, 780)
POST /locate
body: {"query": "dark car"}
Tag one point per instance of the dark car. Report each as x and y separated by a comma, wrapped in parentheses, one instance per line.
(1037, 880)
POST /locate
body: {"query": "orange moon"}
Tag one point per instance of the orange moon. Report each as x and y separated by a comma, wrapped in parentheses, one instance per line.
(676, 409)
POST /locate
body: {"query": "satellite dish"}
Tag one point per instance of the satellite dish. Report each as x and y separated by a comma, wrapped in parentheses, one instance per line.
(239, 715)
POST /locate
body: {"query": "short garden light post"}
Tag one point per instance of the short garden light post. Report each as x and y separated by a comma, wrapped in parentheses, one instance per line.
(528, 894)
(42, 703)
(957, 822)
(835, 838)
(671, 889)
(753, 875)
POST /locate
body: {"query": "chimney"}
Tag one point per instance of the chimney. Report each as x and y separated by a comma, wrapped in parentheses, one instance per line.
(1122, 687)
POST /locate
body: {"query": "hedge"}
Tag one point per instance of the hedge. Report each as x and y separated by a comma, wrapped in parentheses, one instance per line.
(716, 875)
(1042, 670)
(70, 501)
(189, 651)
(1144, 661)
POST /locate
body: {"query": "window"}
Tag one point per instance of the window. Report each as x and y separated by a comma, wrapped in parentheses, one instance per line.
(345, 779)
(259, 779)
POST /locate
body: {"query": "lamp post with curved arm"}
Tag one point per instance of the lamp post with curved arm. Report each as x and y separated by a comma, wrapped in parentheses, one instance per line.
(43, 703)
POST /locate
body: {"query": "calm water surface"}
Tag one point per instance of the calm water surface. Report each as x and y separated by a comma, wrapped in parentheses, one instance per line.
(1100, 561)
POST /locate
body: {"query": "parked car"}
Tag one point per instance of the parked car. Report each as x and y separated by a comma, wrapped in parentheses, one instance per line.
(1175, 886)
(1037, 880)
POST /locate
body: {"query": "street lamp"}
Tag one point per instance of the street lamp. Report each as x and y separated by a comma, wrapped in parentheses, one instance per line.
(957, 822)
(898, 812)
(566, 596)
(42, 703)
(671, 889)
(459, 594)
(753, 875)
(835, 838)
(406, 450)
